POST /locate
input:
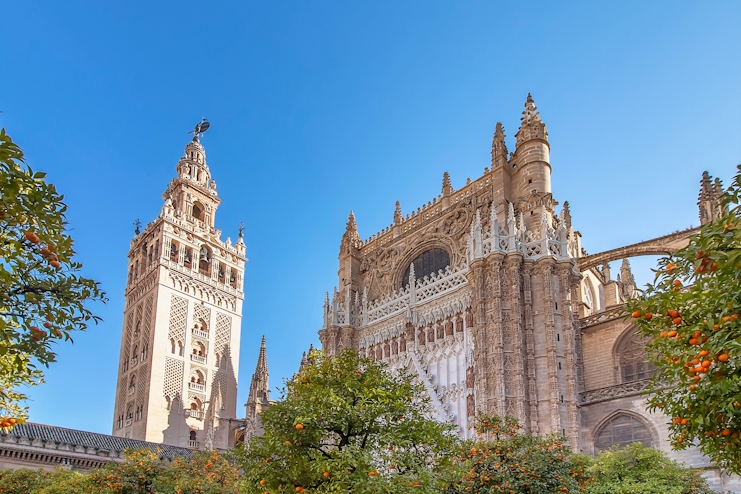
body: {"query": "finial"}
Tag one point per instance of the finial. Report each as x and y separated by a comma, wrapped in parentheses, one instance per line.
(199, 129)
(447, 187)
(532, 127)
(137, 227)
(398, 218)
(241, 232)
(262, 344)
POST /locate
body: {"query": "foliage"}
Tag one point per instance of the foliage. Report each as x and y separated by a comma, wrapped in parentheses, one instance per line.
(346, 424)
(636, 469)
(691, 312)
(504, 460)
(42, 296)
(142, 473)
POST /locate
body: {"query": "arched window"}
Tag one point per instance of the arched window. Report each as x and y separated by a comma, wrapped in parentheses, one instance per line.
(172, 346)
(145, 351)
(621, 430)
(180, 348)
(198, 211)
(425, 264)
(137, 329)
(188, 258)
(633, 361)
(588, 292)
(192, 435)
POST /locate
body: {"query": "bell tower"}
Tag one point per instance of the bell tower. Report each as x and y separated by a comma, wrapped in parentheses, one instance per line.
(177, 376)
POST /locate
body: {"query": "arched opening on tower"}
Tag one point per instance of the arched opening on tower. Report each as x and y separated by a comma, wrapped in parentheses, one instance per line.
(204, 261)
(199, 211)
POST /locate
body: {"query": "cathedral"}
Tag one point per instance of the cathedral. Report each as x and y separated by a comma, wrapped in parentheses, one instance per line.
(486, 294)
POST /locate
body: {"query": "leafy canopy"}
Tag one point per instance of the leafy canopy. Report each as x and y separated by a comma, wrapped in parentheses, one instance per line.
(346, 424)
(43, 299)
(691, 312)
(636, 469)
(504, 460)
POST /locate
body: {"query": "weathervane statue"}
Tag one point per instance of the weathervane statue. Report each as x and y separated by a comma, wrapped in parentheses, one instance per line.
(201, 127)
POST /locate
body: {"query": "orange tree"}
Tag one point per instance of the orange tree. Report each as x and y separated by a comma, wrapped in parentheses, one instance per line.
(504, 460)
(691, 312)
(42, 295)
(347, 424)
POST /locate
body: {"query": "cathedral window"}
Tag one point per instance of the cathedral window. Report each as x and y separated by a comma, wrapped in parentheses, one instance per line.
(621, 430)
(427, 263)
(634, 364)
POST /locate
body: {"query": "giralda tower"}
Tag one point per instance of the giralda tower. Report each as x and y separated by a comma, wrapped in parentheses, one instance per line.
(177, 376)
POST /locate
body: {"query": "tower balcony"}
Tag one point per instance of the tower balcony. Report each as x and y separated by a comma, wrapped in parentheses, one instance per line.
(199, 333)
(196, 414)
(197, 387)
(198, 358)
(193, 444)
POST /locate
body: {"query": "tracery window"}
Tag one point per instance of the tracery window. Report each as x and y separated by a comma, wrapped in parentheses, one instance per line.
(428, 262)
(634, 364)
(621, 430)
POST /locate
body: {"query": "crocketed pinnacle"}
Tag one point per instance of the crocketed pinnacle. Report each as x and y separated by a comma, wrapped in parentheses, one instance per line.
(498, 147)
(397, 214)
(532, 127)
(259, 387)
(351, 236)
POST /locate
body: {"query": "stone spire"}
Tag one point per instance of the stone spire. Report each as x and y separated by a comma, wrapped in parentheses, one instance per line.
(629, 282)
(259, 397)
(351, 237)
(710, 199)
(447, 188)
(566, 215)
(532, 127)
(498, 147)
(397, 214)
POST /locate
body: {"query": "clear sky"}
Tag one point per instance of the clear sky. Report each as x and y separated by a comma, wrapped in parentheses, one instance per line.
(322, 107)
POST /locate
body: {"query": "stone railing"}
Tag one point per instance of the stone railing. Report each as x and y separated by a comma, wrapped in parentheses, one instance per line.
(196, 414)
(197, 387)
(198, 358)
(351, 311)
(600, 317)
(192, 444)
(194, 274)
(611, 392)
(199, 334)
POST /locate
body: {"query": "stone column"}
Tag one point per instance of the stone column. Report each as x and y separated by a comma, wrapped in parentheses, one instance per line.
(545, 270)
(532, 388)
(513, 267)
(495, 393)
(569, 283)
(478, 309)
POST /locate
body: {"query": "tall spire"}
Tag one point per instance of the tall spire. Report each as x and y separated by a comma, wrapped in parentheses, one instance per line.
(498, 147)
(532, 127)
(259, 396)
(447, 188)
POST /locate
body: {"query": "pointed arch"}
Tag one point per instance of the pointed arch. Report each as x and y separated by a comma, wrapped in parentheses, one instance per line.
(630, 361)
(623, 427)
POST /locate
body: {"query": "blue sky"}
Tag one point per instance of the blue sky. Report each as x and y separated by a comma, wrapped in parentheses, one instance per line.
(322, 107)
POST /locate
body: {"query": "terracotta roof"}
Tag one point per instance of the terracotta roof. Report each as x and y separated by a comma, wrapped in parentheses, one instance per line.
(101, 442)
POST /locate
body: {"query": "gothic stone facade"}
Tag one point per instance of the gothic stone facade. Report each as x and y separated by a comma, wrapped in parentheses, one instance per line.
(177, 377)
(487, 295)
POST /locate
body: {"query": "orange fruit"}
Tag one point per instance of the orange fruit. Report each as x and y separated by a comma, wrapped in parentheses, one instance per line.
(299, 426)
(723, 357)
(32, 237)
(671, 334)
(714, 266)
(693, 341)
(648, 316)
(326, 474)
(55, 264)
(663, 333)
(716, 327)
(677, 320)
(703, 353)
(636, 314)
(726, 432)
(262, 482)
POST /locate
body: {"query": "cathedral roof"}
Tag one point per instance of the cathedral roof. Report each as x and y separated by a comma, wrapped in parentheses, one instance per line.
(99, 442)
